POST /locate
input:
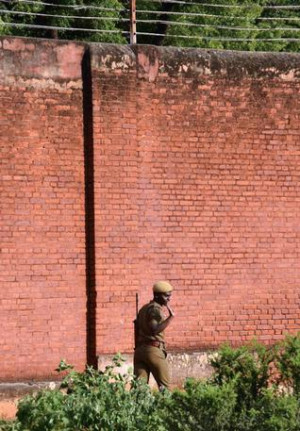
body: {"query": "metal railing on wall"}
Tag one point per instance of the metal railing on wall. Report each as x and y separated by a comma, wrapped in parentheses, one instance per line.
(167, 22)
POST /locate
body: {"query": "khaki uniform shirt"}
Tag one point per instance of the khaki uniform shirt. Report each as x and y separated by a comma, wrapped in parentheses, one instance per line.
(151, 311)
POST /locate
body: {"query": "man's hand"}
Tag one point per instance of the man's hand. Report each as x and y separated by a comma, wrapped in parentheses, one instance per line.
(156, 327)
(171, 312)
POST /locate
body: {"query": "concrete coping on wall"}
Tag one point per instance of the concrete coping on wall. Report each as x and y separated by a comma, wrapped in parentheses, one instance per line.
(37, 59)
(10, 390)
(61, 60)
(151, 61)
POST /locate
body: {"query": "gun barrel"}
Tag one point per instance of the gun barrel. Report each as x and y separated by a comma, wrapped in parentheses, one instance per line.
(136, 329)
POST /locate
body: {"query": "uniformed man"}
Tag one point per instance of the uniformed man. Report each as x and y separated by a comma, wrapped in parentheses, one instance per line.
(150, 350)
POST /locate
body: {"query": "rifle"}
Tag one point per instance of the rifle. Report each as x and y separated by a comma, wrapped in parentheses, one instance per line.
(135, 322)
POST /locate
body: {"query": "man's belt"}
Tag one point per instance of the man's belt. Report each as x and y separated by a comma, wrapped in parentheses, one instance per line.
(159, 344)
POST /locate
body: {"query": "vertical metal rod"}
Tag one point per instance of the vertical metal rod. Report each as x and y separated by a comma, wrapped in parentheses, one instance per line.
(133, 38)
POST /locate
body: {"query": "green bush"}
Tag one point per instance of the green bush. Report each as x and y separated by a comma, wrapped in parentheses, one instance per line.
(271, 412)
(45, 411)
(200, 406)
(257, 373)
(288, 363)
(241, 395)
(9, 425)
(248, 368)
(92, 400)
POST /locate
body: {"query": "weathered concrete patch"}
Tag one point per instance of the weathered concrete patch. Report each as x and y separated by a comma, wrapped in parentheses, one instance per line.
(152, 62)
(10, 391)
(182, 365)
(42, 59)
(191, 364)
(110, 57)
(231, 65)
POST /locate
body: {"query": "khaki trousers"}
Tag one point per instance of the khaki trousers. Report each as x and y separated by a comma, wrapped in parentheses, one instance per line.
(150, 359)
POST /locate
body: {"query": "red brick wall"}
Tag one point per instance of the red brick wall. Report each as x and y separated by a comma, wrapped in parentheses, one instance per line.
(152, 164)
(43, 298)
(197, 182)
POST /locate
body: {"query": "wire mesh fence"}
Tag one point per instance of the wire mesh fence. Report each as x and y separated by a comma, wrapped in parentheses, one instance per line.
(266, 25)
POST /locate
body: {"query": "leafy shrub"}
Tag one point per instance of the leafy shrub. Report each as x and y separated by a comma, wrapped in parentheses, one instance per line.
(241, 395)
(248, 368)
(43, 412)
(271, 412)
(9, 425)
(93, 400)
(201, 406)
(288, 363)
(253, 371)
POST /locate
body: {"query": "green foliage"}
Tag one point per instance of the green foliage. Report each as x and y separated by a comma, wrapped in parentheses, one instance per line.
(270, 412)
(277, 413)
(92, 400)
(255, 372)
(9, 425)
(249, 25)
(63, 366)
(245, 26)
(60, 17)
(201, 406)
(43, 412)
(289, 20)
(218, 25)
(252, 388)
(247, 367)
(289, 362)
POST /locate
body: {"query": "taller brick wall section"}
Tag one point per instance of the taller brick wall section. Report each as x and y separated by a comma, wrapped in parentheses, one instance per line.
(43, 283)
(197, 182)
(123, 165)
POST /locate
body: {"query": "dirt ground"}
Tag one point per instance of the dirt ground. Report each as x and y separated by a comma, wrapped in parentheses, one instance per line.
(8, 408)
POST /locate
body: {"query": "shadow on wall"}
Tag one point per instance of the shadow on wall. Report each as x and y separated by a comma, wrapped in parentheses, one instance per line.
(89, 208)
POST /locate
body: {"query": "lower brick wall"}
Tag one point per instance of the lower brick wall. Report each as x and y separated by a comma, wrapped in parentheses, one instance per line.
(124, 165)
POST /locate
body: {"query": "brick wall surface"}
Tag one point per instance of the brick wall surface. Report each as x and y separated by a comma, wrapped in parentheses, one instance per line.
(197, 182)
(43, 300)
(123, 165)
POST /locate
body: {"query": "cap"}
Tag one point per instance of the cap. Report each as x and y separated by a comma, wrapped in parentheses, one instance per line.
(162, 287)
